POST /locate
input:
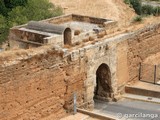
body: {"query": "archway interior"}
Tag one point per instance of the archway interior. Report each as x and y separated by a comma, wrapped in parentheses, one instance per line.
(103, 87)
(67, 36)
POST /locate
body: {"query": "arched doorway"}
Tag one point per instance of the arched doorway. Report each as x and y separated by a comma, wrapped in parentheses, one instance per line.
(103, 89)
(67, 36)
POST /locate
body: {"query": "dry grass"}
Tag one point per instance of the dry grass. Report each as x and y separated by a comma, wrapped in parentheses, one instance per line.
(112, 9)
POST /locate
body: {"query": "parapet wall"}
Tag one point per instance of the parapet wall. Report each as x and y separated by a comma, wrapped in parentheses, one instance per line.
(19, 38)
(80, 18)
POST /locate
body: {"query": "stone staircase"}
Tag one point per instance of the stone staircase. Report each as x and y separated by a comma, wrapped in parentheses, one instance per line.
(143, 91)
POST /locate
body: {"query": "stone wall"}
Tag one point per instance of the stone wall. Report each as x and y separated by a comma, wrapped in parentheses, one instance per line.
(135, 48)
(16, 36)
(38, 84)
(98, 54)
(122, 65)
(141, 45)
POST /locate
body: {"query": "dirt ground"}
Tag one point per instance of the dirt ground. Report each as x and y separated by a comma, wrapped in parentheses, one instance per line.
(79, 116)
(111, 9)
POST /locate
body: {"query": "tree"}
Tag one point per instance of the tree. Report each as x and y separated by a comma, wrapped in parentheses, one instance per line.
(3, 28)
(10, 4)
(3, 9)
(21, 11)
(41, 9)
(34, 10)
(17, 16)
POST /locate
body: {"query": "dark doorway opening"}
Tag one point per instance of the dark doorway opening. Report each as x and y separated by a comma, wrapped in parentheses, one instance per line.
(67, 36)
(103, 89)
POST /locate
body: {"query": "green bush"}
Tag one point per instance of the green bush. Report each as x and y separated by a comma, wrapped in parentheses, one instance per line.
(136, 4)
(137, 18)
(127, 1)
(147, 10)
(156, 11)
(143, 9)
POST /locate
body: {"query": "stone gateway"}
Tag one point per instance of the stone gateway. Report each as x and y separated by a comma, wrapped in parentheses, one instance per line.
(74, 54)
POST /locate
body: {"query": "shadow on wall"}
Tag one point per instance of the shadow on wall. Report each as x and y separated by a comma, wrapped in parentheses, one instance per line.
(67, 36)
(103, 90)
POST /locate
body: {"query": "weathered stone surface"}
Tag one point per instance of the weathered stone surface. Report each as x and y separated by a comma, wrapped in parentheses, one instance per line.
(39, 83)
(38, 86)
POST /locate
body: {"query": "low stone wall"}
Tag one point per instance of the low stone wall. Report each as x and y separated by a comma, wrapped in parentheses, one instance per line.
(17, 37)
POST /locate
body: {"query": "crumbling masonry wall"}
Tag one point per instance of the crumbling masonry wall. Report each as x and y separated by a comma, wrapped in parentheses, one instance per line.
(17, 35)
(39, 84)
(143, 45)
(132, 49)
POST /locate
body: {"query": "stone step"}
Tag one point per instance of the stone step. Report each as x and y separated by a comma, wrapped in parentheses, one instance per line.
(142, 91)
(94, 114)
(142, 98)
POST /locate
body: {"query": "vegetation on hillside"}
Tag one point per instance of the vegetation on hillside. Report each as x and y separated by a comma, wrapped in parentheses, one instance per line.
(137, 18)
(143, 9)
(16, 12)
(152, 0)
